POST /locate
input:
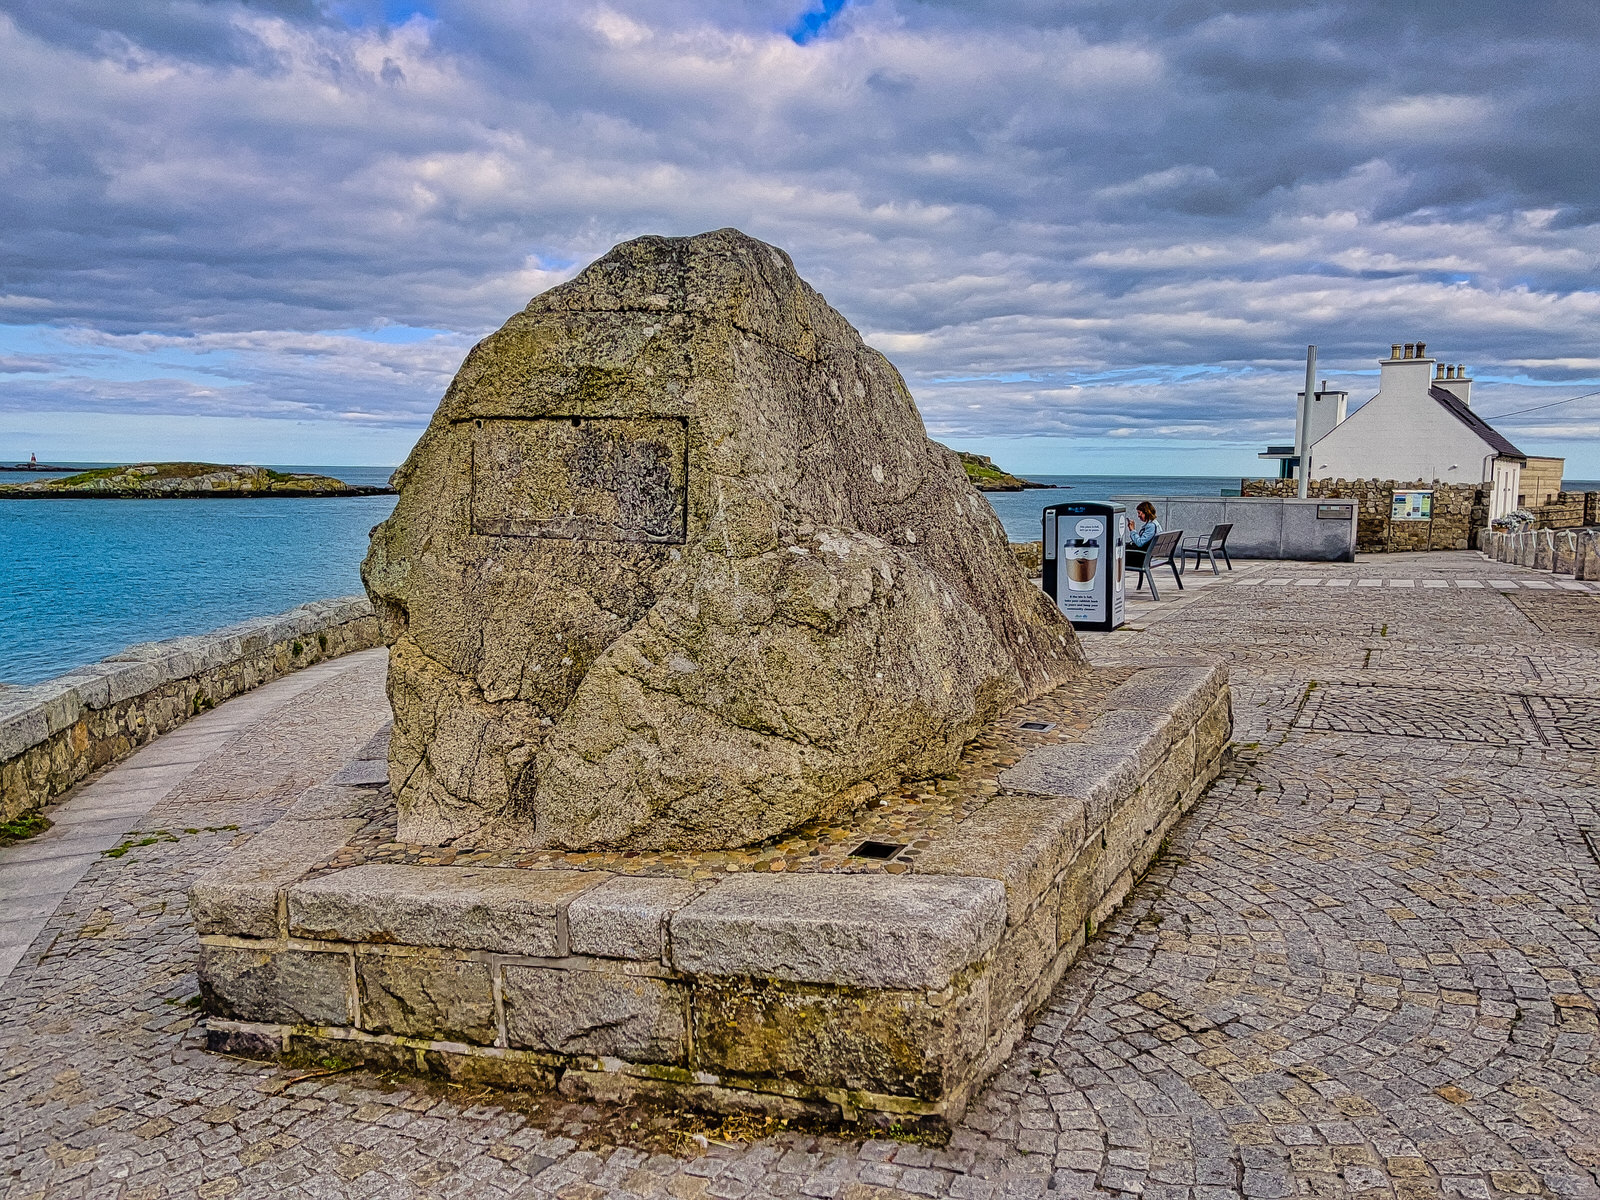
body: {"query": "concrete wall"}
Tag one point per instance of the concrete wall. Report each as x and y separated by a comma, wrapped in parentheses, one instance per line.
(1263, 527)
(57, 733)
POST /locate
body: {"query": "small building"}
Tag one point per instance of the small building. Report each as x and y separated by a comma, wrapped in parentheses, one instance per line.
(1419, 427)
(1541, 481)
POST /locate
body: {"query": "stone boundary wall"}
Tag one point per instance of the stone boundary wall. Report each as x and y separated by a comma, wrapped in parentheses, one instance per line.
(1569, 510)
(1459, 510)
(57, 733)
(869, 997)
(1030, 557)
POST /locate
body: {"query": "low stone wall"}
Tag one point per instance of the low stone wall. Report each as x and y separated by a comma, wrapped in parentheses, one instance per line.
(856, 993)
(1459, 510)
(1030, 557)
(56, 733)
(1569, 510)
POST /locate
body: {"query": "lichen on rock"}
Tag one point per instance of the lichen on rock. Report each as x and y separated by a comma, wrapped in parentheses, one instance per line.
(675, 565)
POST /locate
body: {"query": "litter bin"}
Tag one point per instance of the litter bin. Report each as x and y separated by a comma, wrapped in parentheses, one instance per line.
(1084, 563)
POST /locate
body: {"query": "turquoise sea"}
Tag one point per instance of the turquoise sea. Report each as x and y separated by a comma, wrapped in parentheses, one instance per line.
(84, 578)
(1022, 513)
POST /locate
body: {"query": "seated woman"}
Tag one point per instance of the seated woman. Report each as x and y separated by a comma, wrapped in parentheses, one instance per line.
(1141, 533)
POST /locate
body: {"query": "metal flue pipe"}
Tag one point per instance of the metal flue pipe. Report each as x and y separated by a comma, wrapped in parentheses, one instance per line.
(1303, 450)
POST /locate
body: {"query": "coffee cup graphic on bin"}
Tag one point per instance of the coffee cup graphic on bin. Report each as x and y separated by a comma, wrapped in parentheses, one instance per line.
(1081, 556)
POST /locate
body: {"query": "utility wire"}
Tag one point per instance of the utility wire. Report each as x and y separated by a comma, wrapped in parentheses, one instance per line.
(1537, 407)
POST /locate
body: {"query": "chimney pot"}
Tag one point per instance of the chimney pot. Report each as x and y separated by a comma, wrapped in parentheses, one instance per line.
(1394, 350)
(1421, 349)
(1411, 349)
(1438, 371)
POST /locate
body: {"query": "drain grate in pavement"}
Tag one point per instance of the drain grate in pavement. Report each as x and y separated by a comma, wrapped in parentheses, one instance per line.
(878, 850)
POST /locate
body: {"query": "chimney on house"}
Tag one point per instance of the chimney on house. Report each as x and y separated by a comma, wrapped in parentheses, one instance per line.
(1407, 370)
(1455, 382)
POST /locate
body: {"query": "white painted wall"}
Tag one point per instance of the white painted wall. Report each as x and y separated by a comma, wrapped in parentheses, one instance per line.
(1402, 433)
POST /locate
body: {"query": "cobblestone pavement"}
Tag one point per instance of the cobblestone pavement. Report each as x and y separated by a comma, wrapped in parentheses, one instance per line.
(1368, 966)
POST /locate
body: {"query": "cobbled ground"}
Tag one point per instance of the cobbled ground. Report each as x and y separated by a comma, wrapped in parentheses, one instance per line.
(1368, 964)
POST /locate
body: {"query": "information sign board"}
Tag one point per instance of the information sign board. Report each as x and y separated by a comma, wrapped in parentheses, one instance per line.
(1412, 506)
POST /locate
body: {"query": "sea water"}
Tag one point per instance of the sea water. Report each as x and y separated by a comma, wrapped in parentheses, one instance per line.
(1022, 513)
(81, 579)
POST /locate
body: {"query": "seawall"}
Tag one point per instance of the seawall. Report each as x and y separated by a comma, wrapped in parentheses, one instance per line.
(57, 733)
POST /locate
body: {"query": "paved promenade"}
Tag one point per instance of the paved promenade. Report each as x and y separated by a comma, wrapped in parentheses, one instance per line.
(1368, 966)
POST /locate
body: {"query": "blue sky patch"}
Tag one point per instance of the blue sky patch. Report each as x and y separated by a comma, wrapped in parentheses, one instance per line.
(811, 25)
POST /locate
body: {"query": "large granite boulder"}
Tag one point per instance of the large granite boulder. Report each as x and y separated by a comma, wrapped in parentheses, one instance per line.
(676, 566)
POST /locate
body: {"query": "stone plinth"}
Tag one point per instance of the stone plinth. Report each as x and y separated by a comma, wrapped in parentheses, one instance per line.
(872, 990)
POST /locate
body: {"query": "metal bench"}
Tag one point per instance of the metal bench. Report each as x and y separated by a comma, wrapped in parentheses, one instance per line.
(1162, 552)
(1209, 546)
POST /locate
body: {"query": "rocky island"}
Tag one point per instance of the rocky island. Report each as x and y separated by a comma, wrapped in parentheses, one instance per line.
(184, 481)
(986, 477)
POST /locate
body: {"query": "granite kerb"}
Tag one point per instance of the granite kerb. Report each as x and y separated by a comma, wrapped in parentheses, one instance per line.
(869, 996)
(56, 733)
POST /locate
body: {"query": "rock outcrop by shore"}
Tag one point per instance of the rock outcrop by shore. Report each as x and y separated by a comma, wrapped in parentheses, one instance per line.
(986, 477)
(184, 480)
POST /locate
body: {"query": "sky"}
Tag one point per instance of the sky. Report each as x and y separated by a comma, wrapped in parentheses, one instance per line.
(1095, 236)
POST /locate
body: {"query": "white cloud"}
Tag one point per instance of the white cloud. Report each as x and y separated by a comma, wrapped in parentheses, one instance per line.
(1125, 217)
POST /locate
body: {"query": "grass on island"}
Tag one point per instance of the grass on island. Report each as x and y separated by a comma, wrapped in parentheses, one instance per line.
(981, 470)
(24, 827)
(181, 470)
(979, 473)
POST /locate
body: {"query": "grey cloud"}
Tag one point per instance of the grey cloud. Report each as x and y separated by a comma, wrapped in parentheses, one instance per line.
(1053, 190)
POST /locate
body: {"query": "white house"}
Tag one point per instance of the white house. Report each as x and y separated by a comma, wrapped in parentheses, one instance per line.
(1420, 426)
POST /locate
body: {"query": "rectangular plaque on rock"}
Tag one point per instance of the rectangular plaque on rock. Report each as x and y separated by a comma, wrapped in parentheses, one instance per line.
(601, 479)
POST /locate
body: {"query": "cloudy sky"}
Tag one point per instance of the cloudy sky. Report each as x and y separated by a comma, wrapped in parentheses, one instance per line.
(1095, 235)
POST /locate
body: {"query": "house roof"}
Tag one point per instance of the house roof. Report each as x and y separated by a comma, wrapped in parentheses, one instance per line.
(1463, 413)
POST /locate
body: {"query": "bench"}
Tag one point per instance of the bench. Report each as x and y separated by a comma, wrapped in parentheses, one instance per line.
(1210, 546)
(1162, 552)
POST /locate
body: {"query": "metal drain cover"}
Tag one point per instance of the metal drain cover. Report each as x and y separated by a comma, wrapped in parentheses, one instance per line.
(879, 850)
